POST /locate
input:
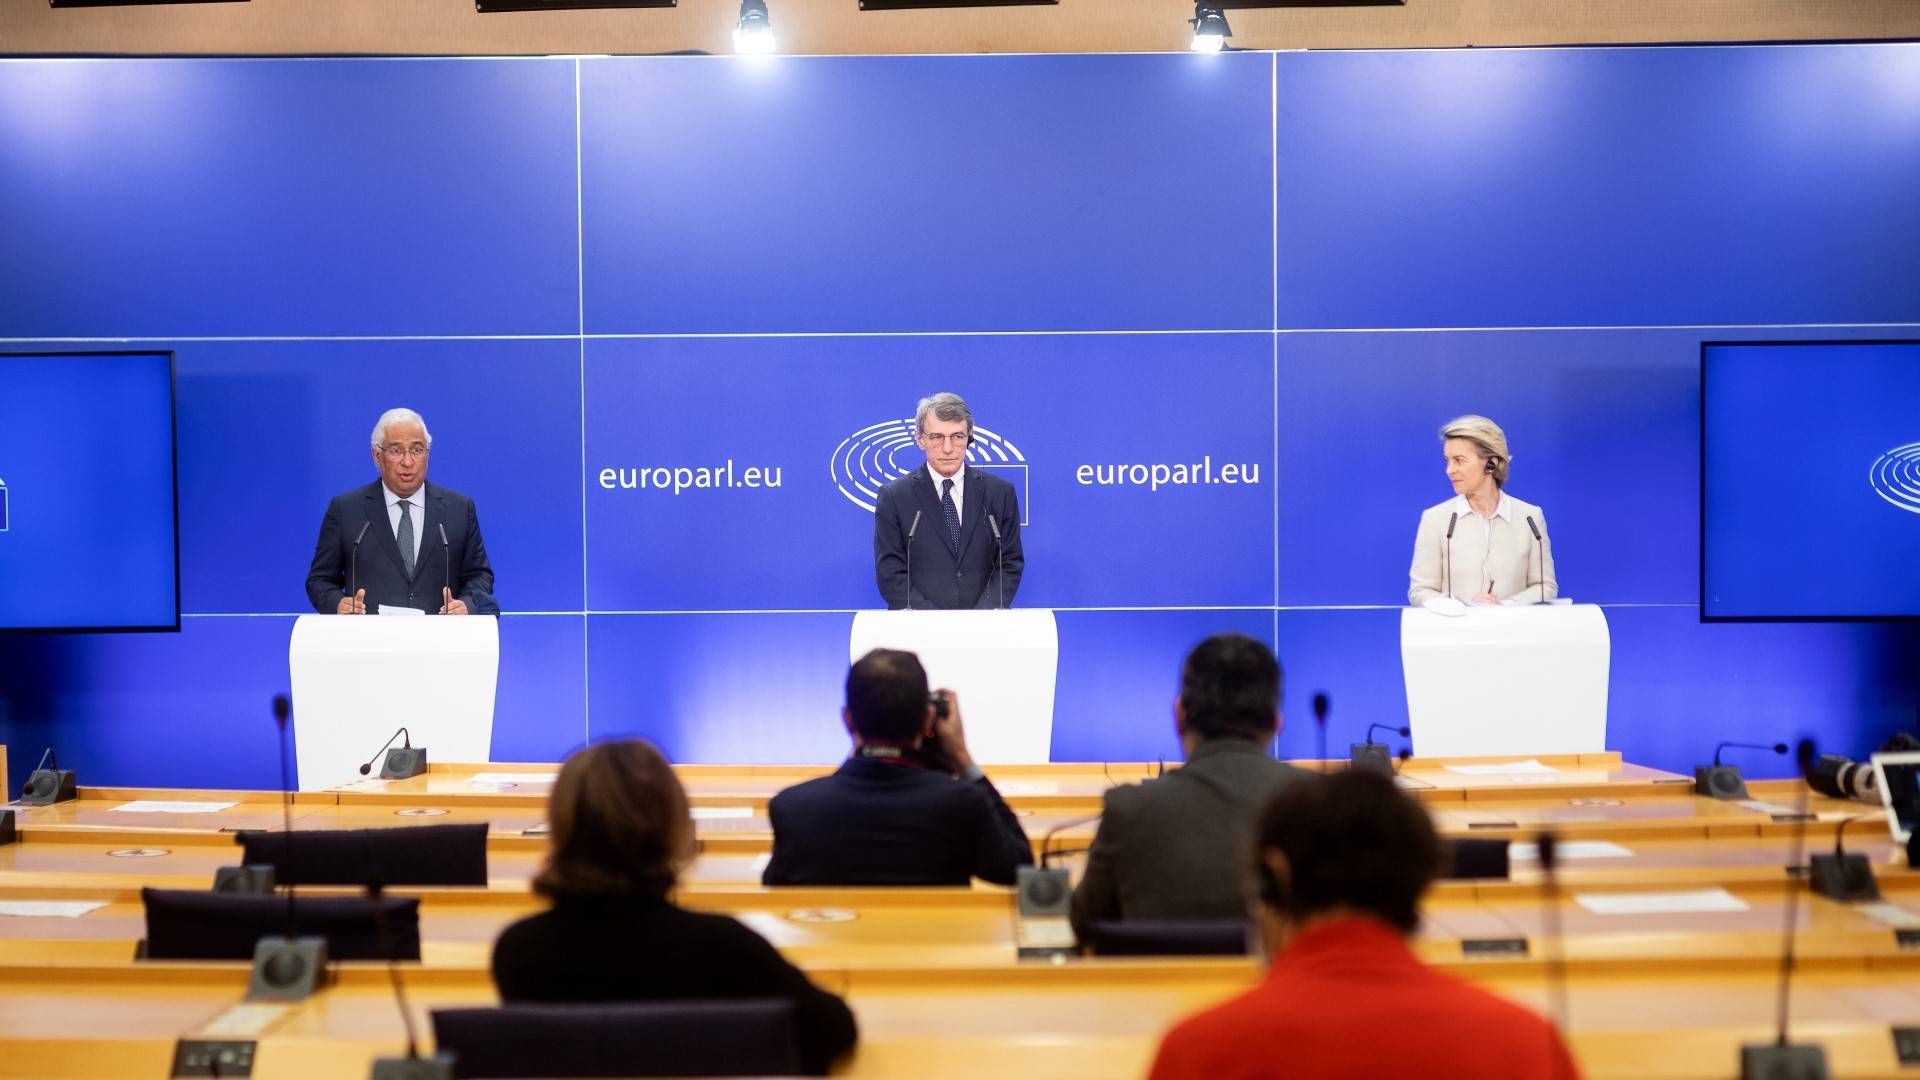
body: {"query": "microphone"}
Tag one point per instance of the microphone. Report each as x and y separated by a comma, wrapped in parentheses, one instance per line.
(911, 529)
(999, 564)
(408, 761)
(1725, 781)
(1783, 1058)
(1402, 731)
(1843, 876)
(287, 968)
(1540, 543)
(1373, 755)
(1547, 846)
(353, 565)
(1047, 854)
(46, 786)
(1452, 520)
(413, 1066)
(1320, 708)
(446, 557)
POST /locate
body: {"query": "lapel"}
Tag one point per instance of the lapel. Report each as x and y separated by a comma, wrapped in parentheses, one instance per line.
(971, 513)
(435, 517)
(932, 514)
(382, 531)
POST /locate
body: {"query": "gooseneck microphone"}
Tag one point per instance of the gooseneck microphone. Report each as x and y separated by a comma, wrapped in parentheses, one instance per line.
(446, 559)
(1782, 1058)
(406, 745)
(1447, 558)
(911, 529)
(353, 564)
(1540, 545)
(282, 709)
(1402, 731)
(1778, 748)
(1047, 851)
(1321, 706)
(999, 564)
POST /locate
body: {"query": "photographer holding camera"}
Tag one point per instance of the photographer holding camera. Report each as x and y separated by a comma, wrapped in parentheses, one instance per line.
(909, 806)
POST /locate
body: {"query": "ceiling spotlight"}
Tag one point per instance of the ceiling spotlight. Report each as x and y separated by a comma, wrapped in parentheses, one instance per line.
(1210, 29)
(753, 35)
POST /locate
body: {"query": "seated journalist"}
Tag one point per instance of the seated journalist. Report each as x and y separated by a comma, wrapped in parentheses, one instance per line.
(909, 807)
(1341, 863)
(1176, 847)
(619, 834)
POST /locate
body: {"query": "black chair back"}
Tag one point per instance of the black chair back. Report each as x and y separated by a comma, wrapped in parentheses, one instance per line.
(1172, 937)
(187, 925)
(411, 855)
(1476, 857)
(681, 1038)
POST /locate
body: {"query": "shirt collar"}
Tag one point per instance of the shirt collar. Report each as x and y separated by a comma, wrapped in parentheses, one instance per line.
(959, 476)
(1501, 509)
(418, 498)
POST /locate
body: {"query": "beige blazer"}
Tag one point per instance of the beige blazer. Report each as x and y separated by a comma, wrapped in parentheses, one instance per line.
(1500, 549)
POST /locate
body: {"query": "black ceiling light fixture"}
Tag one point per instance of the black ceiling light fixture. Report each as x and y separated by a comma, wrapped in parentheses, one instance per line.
(489, 7)
(905, 5)
(753, 34)
(1210, 29)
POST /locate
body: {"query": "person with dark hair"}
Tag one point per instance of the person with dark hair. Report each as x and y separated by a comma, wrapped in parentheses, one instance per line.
(1341, 863)
(909, 807)
(1175, 847)
(619, 832)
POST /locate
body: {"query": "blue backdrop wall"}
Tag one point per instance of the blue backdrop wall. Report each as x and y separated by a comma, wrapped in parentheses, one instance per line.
(591, 273)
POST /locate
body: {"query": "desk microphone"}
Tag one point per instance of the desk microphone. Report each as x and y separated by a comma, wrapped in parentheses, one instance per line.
(999, 564)
(408, 761)
(1320, 708)
(1047, 853)
(353, 564)
(1844, 876)
(1452, 520)
(1373, 755)
(911, 529)
(446, 559)
(413, 1066)
(1725, 781)
(1540, 542)
(288, 968)
(1783, 1059)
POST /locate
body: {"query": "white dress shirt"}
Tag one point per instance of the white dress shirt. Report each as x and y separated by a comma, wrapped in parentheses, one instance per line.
(1497, 549)
(959, 479)
(416, 510)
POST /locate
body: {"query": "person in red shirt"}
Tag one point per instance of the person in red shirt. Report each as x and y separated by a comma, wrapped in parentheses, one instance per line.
(1341, 863)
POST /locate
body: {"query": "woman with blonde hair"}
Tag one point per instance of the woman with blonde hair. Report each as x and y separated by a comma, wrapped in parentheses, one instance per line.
(619, 834)
(1482, 546)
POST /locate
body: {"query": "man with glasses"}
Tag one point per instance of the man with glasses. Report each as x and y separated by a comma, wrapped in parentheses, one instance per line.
(965, 523)
(419, 543)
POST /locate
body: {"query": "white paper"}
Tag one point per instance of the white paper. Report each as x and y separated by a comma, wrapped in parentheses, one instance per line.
(513, 778)
(50, 909)
(245, 1020)
(1570, 849)
(710, 813)
(389, 609)
(760, 862)
(1889, 915)
(1660, 903)
(162, 806)
(1766, 807)
(1529, 767)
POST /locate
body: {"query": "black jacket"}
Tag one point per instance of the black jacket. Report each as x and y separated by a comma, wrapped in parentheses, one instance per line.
(645, 949)
(461, 563)
(942, 576)
(881, 822)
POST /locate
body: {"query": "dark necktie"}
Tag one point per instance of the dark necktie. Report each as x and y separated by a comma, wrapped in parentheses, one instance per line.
(406, 538)
(953, 515)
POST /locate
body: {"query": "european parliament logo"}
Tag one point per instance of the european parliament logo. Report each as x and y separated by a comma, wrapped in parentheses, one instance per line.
(1895, 477)
(876, 455)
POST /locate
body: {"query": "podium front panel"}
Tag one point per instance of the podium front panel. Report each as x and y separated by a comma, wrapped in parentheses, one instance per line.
(1001, 663)
(1506, 680)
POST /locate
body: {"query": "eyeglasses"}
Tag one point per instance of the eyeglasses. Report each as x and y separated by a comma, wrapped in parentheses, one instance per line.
(958, 438)
(397, 453)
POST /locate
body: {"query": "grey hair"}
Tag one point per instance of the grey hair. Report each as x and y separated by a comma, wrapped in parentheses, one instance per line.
(946, 406)
(398, 416)
(1486, 435)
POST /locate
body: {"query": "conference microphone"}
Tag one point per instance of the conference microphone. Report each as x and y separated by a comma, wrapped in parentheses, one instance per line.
(1540, 543)
(1373, 755)
(1321, 705)
(1783, 1059)
(999, 564)
(413, 1066)
(353, 564)
(1844, 876)
(287, 968)
(1547, 848)
(1043, 899)
(1725, 781)
(911, 529)
(1452, 520)
(446, 559)
(408, 761)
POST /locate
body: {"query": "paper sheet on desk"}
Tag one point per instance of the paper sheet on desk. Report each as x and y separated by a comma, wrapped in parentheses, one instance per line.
(513, 778)
(162, 806)
(1528, 767)
(1571, 849)
(50, 909)
(1660, 903)
(389, 609)
(710, 813)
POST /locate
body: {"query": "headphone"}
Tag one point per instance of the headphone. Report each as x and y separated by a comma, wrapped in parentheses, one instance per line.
(1490, 463)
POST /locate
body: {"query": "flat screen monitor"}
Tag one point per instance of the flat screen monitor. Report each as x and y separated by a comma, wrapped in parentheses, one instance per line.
(1810, 480)
(1898, 776)
(88, 527)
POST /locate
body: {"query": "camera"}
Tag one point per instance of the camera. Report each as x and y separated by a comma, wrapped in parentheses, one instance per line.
(1840, 777)
(939, 702)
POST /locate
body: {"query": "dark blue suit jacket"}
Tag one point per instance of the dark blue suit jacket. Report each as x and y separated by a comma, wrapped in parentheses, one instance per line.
(883, 823)
(463, 560)
(941, 576)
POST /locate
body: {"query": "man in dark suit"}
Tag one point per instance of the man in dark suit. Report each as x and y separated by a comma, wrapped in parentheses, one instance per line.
(910, 807)
(966, 547)
(419, 543)
(1176, 847)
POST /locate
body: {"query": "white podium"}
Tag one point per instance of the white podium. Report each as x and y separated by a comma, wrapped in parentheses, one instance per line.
(1002, 664)
(357, 678)
(1506, 680)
